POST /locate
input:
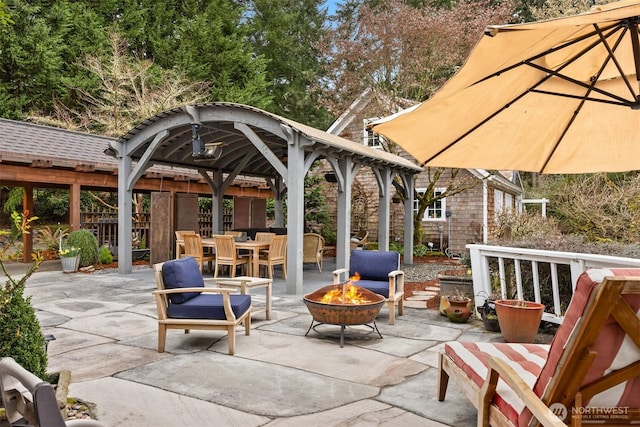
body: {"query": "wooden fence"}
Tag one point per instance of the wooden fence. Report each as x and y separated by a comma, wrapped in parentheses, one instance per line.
(104, 225)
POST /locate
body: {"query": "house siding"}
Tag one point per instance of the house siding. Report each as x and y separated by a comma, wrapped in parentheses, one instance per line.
(464, 226)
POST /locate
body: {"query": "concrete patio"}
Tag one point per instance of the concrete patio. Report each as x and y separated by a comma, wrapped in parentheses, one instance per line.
(106, 335)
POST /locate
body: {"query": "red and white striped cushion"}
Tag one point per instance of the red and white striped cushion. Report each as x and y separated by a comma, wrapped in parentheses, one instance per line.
(526, 359)
(613, 346)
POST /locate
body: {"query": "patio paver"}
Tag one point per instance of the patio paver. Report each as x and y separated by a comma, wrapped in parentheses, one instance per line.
(105, 330)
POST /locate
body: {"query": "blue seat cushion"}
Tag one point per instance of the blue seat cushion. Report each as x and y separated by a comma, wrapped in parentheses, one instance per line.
(209, 306)
(182, 273)
(376, 286)
(374, 265)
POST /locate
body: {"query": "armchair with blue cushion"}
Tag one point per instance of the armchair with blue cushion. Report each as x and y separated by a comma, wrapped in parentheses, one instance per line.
(380, 273)
(184, 302)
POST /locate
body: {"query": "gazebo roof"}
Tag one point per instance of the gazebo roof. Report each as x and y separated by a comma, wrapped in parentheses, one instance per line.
(228, 125)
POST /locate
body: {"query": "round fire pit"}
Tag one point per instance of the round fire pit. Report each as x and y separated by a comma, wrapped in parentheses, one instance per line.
(341, 313)
(326, 306)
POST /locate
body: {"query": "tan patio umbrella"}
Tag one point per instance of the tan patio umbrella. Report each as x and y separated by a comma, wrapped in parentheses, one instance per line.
(555, 96)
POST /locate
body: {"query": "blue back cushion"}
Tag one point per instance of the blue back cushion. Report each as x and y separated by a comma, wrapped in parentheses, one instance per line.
(374, 265)
(209, 306)
(182, 273)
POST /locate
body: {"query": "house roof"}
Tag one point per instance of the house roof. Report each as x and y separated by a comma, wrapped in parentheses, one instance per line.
(44, 146)
(23, 142)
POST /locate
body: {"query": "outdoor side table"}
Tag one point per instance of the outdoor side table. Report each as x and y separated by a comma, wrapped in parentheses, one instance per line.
(245, 283)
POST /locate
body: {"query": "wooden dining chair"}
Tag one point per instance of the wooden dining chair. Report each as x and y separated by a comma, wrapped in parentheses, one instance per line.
(264, 235)
(233, 233)
(227, 254)
(193, 248)
(180, 241)
(276, 255)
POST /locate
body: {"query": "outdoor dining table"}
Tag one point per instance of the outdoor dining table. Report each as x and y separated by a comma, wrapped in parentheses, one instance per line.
(254, 246)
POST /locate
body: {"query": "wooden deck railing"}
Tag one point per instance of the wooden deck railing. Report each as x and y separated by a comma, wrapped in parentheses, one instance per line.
(543, 276)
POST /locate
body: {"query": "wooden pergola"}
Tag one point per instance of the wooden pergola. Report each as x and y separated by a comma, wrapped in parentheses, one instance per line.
(223, 141)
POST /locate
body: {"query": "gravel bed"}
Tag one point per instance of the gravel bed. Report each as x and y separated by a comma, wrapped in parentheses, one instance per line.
(424, 272)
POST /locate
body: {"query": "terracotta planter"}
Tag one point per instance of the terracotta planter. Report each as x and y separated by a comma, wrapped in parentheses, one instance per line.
(459, 310)
(519, 320)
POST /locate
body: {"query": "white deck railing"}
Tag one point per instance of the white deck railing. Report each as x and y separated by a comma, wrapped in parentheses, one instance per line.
(578, 262)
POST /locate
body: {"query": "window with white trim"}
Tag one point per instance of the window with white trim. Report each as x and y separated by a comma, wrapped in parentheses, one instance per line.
(436, 211)
(508, 202)
(371, 139)
(498, 202)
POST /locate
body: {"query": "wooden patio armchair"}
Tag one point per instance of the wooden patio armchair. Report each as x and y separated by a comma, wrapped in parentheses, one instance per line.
(183, 302)
(313, 248)
(591, 370)
(359, 239)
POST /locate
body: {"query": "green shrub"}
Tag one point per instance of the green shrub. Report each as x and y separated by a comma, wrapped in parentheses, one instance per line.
(370, 246)
(21, 336)
(396, 246)
(419, 250)
(88, 244)
(20, 333)
(105, 255)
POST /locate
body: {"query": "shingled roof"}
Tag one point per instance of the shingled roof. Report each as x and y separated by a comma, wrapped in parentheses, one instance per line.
(44, 146)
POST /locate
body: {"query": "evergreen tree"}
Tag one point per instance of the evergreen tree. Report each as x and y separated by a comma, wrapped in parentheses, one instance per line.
(5, 18)
(40, 55)
(287, 33)
(207, 41)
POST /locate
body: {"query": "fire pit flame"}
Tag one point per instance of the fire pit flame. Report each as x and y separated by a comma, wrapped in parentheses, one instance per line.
(348, 293)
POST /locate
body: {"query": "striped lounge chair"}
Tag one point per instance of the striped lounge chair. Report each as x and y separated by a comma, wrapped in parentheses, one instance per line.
(589, 373)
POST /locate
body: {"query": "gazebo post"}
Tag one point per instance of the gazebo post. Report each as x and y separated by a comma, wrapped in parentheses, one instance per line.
(295, 210)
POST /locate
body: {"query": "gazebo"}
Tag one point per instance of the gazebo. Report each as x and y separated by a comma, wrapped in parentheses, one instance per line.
(223, 141)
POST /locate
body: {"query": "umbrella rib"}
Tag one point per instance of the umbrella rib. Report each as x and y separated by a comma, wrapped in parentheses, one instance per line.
(564, 131)
(597, 31)
(631, 26)
(582, 97)
(591, 87)
(611, 56)
(546, 52)
(479, 124)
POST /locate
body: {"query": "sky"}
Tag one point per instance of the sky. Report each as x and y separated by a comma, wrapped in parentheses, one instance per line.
(331, 4)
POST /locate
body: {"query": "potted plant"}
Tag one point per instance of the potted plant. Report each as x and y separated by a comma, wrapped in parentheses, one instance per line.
(519, 320)
(489, 316)
(459, 309)
(457, 284)
(70, 258)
